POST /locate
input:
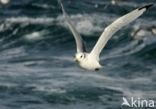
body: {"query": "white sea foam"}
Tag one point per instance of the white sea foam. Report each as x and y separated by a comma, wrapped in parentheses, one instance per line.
(87, 24)
(40, 20)
(35, 36)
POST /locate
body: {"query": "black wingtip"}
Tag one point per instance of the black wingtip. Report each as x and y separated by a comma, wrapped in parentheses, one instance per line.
(146, 6)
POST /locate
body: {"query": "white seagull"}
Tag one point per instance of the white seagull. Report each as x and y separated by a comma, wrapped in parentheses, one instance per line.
(90, 61)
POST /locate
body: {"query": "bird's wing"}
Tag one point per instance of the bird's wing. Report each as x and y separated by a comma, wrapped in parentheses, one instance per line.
(114, 27)
(79, 41)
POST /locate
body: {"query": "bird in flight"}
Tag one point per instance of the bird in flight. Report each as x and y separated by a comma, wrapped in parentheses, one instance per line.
(90, 61)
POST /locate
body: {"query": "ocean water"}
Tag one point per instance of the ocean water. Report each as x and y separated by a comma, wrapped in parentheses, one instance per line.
(37, 70)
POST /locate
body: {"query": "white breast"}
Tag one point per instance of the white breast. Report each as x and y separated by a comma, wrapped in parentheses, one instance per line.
(90, 64)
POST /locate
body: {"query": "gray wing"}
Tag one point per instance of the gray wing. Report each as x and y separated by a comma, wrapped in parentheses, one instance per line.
(79, 41)
(114, 27)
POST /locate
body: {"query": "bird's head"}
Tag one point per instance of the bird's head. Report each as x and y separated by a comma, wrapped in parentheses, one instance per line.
(79, 57)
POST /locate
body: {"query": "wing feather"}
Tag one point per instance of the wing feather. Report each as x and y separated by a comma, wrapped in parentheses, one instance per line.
(80, 46)
(114, 27)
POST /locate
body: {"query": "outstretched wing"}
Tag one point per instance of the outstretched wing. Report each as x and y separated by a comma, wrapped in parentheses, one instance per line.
(79, 41)
(114, 27)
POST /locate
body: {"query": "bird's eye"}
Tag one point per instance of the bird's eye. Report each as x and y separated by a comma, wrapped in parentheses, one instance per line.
(81, 56)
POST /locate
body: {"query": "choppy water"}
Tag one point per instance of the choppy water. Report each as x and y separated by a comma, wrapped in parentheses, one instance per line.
(36, 51)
